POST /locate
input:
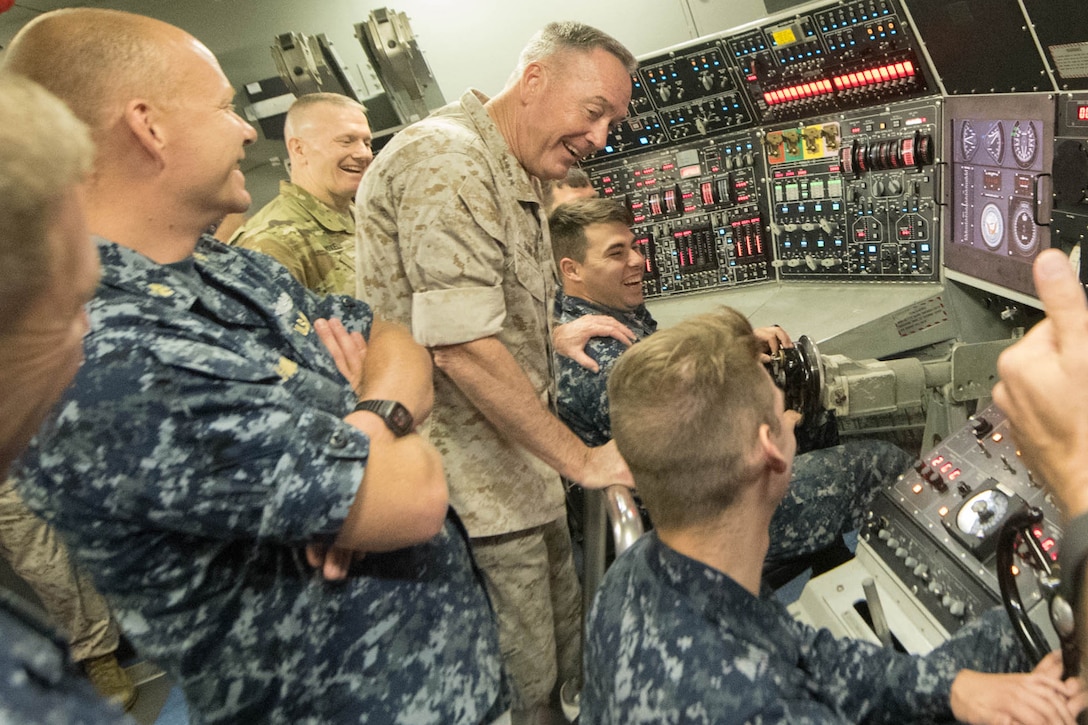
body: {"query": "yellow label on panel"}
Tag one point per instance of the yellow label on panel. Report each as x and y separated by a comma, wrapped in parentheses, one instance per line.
(784, 36)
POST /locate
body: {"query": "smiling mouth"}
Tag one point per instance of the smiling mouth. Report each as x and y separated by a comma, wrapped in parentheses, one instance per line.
(573, 152)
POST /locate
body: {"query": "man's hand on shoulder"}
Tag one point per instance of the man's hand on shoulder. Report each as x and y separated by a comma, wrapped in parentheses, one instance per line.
(603, 467)
(570, 339)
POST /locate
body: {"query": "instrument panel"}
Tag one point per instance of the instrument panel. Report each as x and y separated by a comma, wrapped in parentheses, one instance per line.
(752, 157)
(936, 528)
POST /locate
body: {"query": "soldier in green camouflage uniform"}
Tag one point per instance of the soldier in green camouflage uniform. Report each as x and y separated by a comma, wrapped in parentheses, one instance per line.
(453, 242)
(310, 227)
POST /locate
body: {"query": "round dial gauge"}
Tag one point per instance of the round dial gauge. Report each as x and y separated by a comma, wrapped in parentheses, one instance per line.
(995, 142)
(992, 226)
(1025, 143)
(1025, 233)
(968, 141)
(982, 514)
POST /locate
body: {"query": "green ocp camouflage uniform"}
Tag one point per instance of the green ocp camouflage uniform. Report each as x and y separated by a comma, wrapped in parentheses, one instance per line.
(200, 449)
(453, 243)
(314, 241)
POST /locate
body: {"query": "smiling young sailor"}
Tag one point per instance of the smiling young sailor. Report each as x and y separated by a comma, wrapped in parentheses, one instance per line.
(310, 227)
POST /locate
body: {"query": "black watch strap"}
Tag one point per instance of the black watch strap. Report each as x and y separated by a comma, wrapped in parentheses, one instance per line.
(396, 416)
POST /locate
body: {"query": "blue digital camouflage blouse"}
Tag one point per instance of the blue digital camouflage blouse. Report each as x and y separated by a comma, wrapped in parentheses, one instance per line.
(200, 448)
(671, 640)
(583, 394)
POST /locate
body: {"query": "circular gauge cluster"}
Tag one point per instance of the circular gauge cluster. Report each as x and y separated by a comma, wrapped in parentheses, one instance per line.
(990, 135)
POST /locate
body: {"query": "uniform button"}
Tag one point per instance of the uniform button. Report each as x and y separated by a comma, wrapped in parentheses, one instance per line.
(338, 440)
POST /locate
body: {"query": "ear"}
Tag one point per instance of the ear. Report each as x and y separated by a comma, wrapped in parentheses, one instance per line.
(570, 269)
(144, 122)
(773, 458)
(295, 147)
(532, 81)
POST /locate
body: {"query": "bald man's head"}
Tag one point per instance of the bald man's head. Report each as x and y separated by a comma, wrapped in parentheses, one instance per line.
(95, 60)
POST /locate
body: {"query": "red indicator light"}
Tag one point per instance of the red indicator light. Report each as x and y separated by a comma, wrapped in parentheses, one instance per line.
(869, 77)
(937, 461)
(650, 182)
(838, 83)
(1048, 543)
(667, 167)
(636, 205)
(908, 67)
(649, 170)
(884, 76)
(953, 475)
(640, 218)
(608, 190)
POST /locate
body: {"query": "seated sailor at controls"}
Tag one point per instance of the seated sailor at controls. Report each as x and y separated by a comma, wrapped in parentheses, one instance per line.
(601, 268)
(679, 633)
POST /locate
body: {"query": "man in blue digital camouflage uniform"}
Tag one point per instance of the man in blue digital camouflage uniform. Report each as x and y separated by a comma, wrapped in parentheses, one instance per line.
(678, 632)
(601, 267)
(233, 441)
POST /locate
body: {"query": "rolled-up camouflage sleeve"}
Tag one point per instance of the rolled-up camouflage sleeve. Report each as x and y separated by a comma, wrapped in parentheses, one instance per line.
(451, 237)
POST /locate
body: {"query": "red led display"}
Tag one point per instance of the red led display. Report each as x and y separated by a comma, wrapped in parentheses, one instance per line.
(1082, 113)
(858, 79)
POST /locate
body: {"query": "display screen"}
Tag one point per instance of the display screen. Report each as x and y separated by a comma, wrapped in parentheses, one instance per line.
(1000, 151)
(1082, 112)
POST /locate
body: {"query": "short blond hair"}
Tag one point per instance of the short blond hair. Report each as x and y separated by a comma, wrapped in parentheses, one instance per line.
(44, 151)
(306, 102)
(686, 406)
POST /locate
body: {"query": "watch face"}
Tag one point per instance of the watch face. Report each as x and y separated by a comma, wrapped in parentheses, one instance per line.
(396, 416)
(400, 419)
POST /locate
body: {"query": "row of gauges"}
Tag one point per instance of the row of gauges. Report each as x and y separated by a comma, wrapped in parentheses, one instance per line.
(990, 135)
(912, 152)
